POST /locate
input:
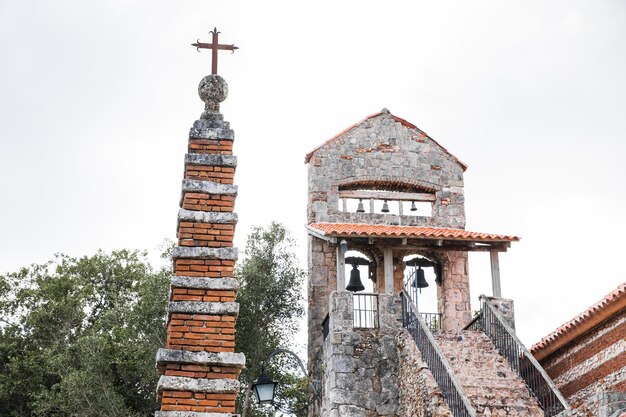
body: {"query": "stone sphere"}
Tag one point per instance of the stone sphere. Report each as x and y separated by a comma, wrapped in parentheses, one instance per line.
(213, 89)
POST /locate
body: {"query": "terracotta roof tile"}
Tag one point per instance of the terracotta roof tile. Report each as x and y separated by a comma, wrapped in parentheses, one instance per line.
(405, 123)
(610, 304)
(371, 230)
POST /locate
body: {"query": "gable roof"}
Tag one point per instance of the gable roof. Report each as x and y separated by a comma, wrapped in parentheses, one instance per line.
(610, 304)
(403, 122)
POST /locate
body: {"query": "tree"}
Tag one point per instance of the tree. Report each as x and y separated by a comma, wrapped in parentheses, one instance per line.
(78, 336)
(270, 300)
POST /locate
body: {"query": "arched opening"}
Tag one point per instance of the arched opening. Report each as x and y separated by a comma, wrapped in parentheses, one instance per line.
(422, 276)
(356, 260)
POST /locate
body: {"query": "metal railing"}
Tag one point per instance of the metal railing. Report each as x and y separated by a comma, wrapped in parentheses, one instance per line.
(442, 372)
(432, 320)
(365, 311)
(491, 321)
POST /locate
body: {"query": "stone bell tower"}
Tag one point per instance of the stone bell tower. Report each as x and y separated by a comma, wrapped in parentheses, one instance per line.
(385, 190)
(199, 367)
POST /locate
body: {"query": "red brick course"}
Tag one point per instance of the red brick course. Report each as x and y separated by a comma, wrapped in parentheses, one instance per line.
(594, 375)
(214, 146)
(201, 332)
(205, 234)
(224, 175)
(197, 401)
(208, 202)
(593, 348)
(215, 268)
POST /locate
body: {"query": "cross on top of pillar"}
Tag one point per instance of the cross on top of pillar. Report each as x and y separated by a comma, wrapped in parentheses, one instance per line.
(214, 46)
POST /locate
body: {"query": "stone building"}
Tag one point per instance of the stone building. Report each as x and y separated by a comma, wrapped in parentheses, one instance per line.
(199, 367)
(386, 206)
(586, 357)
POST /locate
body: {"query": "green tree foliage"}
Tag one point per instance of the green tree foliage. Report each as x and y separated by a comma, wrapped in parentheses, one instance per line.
(78, 336)
(270, 298)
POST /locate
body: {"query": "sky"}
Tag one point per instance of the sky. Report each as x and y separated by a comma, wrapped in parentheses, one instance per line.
(96, 100)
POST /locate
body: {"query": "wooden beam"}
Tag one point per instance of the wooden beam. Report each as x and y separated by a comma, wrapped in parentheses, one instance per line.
(316, 233)
(495, 273)
(387, 195)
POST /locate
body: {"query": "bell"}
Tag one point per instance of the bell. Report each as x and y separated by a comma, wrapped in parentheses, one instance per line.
(385, 208)
(413, 206)
(360, 208)
(355, 283)
(420, 281)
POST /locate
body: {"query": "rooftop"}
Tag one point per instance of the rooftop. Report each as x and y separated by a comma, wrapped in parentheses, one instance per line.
(437, 236)
(610, 304)
(403, 122)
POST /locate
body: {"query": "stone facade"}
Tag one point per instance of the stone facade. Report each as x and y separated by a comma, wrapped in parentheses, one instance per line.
(360, 378)
(384, 157)
(590, 370)
(385, 152)
(420, 395)
(198, 367)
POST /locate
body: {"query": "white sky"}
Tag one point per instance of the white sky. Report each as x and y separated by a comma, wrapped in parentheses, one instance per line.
(96, 99)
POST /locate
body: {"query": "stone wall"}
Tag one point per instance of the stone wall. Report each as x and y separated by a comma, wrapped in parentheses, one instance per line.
(382, 152)
(360, 371)
(590, 371)
(454, 293)
(420, 395)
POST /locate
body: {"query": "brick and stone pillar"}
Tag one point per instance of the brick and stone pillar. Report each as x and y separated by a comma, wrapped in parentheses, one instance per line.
(199, 367)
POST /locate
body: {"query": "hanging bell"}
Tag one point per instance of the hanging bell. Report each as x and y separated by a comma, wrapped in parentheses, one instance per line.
(355, 283)
(420, 279)
(385, 208)
(360, 208)
(413, 206)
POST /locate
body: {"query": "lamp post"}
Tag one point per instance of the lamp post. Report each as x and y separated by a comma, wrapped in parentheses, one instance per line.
(264, 388)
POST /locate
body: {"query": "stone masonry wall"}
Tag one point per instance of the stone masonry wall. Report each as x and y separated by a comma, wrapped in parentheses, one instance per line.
(420, 395)
(383, 151)
(360, 377)
(454, 293)
(590, 371)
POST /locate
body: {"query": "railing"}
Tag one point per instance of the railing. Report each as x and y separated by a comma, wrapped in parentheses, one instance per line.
(442, 372)
(432, 320)
(365, 311)
(503, 336)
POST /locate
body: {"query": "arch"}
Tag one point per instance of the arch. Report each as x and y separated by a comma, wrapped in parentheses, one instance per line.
(387, 184)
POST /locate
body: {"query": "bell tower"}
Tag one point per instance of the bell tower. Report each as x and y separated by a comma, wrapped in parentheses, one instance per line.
(387, 200)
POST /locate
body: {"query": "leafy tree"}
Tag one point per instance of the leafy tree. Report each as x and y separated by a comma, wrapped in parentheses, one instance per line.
(270, 300)
(78, 336)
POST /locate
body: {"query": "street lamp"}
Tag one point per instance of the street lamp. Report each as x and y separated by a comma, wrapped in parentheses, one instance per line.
(264, 389)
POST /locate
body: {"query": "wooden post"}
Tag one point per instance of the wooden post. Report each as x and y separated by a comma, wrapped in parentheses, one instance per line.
(388, 268)
(341, 270)
(495, 273)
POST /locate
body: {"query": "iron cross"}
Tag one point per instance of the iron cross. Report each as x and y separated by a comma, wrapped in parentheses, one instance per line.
(214, 46)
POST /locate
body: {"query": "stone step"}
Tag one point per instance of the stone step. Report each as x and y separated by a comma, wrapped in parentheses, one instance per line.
(486, 377)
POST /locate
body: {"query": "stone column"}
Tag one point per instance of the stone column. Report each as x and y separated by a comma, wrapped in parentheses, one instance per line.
(198, 367)
(453, 294)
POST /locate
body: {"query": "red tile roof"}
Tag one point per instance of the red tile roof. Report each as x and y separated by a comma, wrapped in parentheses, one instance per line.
(381, 230)
(613, 302)
(405, 123)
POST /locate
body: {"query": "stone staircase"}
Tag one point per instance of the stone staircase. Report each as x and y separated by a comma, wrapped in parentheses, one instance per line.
(492, 387)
